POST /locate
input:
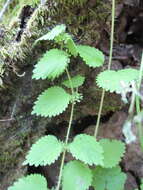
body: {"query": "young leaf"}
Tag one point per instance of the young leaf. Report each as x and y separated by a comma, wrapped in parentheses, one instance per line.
(116, 81)
(30, 182)
(63, 37)
(76, 176)
(108, 178)
(68, 43)
(113, 151)
(92, 56)
(87, 149)
(51, 65)
(45, 151)
(53, 33)
(72, 47)
(76, 97)
(51, 102)
(76, 81)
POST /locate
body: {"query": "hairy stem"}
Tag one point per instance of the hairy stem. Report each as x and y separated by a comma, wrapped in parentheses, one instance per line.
(67, 135)
(109, 67)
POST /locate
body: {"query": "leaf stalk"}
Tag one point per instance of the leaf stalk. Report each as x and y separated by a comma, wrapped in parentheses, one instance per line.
(67, 135)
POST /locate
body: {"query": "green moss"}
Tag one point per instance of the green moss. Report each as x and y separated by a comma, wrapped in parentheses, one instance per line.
(15, 7)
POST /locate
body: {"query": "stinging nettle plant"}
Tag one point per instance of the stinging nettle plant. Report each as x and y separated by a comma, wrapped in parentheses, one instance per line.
(103, 155)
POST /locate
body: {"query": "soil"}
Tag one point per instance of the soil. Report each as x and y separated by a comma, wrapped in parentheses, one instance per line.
(19, 129)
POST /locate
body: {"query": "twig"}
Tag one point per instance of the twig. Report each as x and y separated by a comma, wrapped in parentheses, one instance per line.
(4, 8)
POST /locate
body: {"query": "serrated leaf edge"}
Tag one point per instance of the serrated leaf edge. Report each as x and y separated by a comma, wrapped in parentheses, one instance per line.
(52, 78)
(108, 89)
(83, 160)
(25, 162)
(30, 175)
(85, 59)
(49, 115)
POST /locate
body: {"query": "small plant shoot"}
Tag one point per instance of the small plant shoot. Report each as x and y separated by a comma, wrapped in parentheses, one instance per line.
(103, 155)
(55, 62)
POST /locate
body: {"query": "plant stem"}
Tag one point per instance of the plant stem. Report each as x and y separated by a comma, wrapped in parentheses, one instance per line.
(4, 8)
(139, 125)
(99, 113)
(109, 67)
(67, 135)
(132, 103)
(112, 34)
(141, 73)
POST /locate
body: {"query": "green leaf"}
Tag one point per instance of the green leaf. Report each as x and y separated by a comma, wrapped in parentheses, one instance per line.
(76, 176)
(108, 178)
(87, 149)
(76, 81)
(113, 151)
(51, 102)
(68, 43)
(92, 56)
(53, 33)
(63, 37)
(72, 47)
(51, 65)
(30, 182)
(116, 81)
(45, 151)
